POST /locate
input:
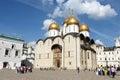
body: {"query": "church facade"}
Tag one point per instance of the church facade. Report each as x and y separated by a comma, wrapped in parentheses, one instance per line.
(71, 48)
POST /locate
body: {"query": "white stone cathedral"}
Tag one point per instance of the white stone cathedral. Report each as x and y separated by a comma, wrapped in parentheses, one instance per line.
(71, 48)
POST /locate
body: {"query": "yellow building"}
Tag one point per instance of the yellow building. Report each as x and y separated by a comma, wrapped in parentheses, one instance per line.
(71, 48)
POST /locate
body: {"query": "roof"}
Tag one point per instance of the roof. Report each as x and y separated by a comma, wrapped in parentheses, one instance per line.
(109, 49)
(87, 47)
(11, 38)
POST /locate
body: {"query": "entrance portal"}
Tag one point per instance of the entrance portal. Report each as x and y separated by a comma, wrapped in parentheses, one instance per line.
(57, 55)
(57, 63)
(5, 64)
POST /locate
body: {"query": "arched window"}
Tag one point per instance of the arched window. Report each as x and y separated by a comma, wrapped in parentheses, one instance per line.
(68, 53)
(88, 55)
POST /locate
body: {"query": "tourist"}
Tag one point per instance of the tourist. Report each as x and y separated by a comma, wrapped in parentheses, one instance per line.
(113, 71)
(78, 69)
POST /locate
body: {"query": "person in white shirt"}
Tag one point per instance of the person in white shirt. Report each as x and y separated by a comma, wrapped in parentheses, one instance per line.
(113, 71)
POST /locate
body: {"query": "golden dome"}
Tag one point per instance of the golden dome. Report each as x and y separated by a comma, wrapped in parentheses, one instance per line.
(30, 46)
(84, 27)
(66, 20)
(55, 26)
(72, 20)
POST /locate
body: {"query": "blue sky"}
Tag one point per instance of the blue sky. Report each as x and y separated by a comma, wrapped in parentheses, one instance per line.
(29, 19)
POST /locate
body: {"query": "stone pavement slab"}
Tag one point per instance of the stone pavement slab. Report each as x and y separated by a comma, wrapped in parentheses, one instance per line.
(6, 74)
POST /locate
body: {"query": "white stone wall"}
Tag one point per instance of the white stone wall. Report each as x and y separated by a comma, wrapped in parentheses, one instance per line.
(72, 28)
(42, 50)
(112, 57)
(70, 47)
(85, 33)
(71, 53)
(12, 60)
(53, 33)
(64, 28)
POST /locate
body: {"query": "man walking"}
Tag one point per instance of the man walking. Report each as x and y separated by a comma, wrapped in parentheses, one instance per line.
(78, 70)
(113, 71)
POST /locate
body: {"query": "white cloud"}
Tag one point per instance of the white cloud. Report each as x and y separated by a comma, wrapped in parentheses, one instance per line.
(32, 43)
(92, 8)
(46, 23)
(97, 11)
(60, 1)
(57, 13)
(98, 42)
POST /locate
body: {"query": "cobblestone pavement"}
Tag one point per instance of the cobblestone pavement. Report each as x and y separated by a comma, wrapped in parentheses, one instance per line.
(6, 74)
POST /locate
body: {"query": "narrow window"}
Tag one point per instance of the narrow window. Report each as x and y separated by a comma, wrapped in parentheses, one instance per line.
(85, 62)
(69, 63)
(39, 56)
(112, 58)
(88, 55)
(16, 53)
(82, 62)
(74, 28)
(118, 58)
(54, 33)
(48, 55)
(6, 52)
(68, 53)
(13, 46)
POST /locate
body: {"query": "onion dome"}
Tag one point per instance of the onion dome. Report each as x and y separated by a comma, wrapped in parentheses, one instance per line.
(84, 27)
(55, 26)
(72, 20)
(66, 20)
(30, 46)
(61, 33)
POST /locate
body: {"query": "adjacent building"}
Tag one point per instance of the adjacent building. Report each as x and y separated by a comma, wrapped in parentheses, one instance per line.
(28, 55)
(109, 56)
(11, 50)
(71, 47)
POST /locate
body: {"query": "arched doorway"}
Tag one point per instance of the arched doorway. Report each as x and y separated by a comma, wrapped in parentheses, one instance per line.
(57, 55)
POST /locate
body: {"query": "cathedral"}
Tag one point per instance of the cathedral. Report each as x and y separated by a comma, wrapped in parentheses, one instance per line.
(69, 48)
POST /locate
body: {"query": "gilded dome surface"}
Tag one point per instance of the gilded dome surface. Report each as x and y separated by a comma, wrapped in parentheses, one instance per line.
(72, 20)
(55, 26)
(84, 27)
(30, 46)
(66, 20)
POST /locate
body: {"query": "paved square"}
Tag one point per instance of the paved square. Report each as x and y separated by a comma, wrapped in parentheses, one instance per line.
(6, 74)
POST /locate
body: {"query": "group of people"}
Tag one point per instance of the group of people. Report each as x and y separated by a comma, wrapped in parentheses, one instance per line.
(107, 70)
(23, 69)
(46, 69)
